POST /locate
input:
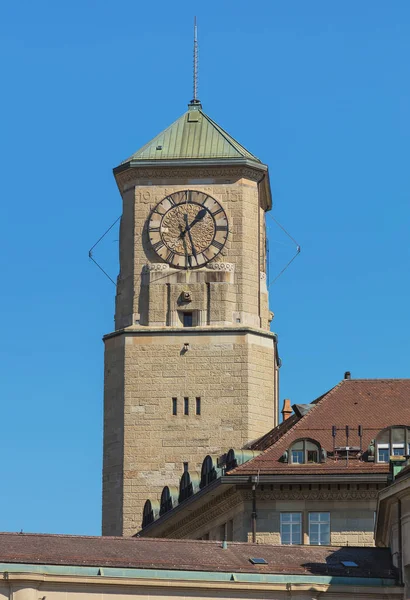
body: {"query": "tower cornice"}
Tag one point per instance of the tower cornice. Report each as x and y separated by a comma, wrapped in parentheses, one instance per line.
(189, 332)
(143, 172)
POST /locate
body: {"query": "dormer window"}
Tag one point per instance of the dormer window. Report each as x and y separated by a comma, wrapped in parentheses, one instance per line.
(304, 452)
(393, 441)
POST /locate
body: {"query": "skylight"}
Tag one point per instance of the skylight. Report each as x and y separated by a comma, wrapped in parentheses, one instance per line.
(349, 563)
(258, 561)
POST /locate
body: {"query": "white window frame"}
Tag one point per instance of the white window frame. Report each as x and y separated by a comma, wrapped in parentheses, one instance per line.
(382, 447)
(398, 445)
(300, 523)
(297, 462)
(319, 523)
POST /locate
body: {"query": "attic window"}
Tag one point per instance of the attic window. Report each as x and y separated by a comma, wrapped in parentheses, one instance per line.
(304, 451)
(258, 561)
(392, 441)
(159, 148)
(349, 563)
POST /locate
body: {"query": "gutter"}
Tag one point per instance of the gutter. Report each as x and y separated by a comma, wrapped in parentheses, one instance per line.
(191, 162)
(30, 575)
(308, 478)
(400, 557)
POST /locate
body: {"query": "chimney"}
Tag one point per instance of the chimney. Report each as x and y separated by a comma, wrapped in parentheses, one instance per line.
(348, 375)
(287, 409)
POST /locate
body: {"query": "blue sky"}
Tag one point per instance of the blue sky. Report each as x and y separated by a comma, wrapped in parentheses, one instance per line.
(318, 90)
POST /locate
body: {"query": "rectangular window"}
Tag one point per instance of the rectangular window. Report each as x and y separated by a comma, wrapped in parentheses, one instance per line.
(312, 456)
(186, 406)
(398, 449)
(198, 405)
(383, 453)
(188, 320)
(319, 528)
(174, 406)
(297, 456)
(291, 528)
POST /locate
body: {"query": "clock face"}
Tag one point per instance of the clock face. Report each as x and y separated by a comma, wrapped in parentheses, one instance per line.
(188, 229)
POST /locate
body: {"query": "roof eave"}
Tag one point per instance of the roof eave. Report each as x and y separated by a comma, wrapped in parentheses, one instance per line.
(211, 488)
(244, 480)
(307, 478)
(191, 162)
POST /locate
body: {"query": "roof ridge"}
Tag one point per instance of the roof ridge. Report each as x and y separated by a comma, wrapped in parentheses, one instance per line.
(321, 399)
(378, 379)
(228, 137)
(251, 445)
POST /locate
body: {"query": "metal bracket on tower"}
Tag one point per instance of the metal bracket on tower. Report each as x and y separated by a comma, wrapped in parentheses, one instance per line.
(90, 252)
(293, 257)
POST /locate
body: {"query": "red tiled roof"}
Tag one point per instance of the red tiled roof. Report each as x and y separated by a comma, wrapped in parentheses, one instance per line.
(273, 435)
(191, 555)
(372, 403)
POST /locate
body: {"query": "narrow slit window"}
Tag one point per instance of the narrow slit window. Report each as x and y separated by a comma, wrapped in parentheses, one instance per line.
(174, 406)
(186, 406)
(198, 405)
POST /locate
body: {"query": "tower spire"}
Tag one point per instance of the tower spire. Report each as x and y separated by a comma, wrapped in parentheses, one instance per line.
(195, 100)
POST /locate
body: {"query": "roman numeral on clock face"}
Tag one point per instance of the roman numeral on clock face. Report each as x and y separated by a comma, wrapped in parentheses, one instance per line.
(170, 257)
(221, 228)
(216, 212)
(159, 210)
(217, 244)
(158, 245)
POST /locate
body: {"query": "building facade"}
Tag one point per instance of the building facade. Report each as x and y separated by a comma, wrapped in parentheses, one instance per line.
(312, 480)
(192, 364)
(393, 521)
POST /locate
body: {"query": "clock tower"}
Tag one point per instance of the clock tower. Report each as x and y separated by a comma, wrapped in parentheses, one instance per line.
(191, 368)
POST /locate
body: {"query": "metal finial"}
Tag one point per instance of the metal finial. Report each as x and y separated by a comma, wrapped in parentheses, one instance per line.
(195, 98)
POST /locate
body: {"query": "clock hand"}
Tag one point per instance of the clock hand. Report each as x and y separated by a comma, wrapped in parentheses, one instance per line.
(200, 215)
(188, 230)
(187, 257)
(192, 243)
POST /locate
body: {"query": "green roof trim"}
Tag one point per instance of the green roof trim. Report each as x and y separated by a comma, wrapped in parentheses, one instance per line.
(178, 575)
(193, 136)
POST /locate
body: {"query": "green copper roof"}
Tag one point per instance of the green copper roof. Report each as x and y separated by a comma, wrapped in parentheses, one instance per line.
(193, 136)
